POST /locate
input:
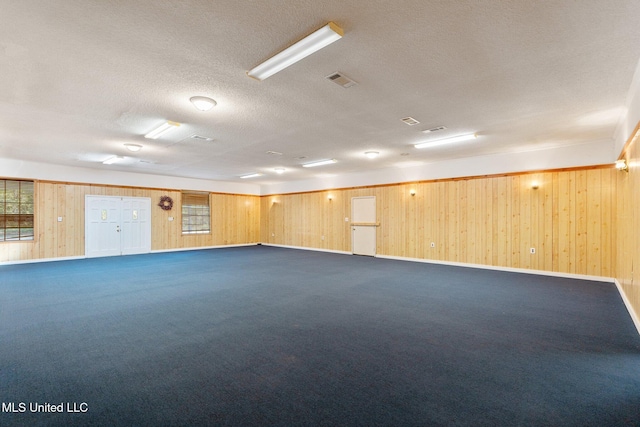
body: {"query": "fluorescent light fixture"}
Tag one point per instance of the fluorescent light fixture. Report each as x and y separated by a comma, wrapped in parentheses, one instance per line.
(251, 175)
(165, 127)
(371, 154)
(444, 141)
(112, 160)
(203, 103)
(294, 53)
(133, 147)
(279, 170)
(319, 163)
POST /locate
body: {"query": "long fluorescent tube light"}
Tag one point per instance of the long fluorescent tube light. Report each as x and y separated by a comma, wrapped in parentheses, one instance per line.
(251, 175)
(112, 160)
(294, 53)
(444, 141)
(164, 128)
(319, 163)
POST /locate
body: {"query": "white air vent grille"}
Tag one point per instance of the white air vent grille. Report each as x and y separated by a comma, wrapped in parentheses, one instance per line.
(201, 138)
(274, 153)
(341, 80)
(410, 121)
(435, 129)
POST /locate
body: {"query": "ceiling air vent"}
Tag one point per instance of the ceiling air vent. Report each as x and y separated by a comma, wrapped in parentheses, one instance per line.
(274, 153)
(201, 138)
(340, 79)
(436, 129)
(410, 121)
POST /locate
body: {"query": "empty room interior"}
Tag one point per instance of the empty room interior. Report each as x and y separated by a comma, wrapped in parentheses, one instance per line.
(320, 213)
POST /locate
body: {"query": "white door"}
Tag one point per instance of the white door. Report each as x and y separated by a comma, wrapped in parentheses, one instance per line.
(117, 225)
(363, 225)
(135, 235)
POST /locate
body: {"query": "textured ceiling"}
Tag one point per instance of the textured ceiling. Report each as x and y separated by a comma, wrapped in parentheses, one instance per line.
(82, 78)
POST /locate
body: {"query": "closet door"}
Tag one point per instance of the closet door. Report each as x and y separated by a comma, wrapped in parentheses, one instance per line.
(363, 225)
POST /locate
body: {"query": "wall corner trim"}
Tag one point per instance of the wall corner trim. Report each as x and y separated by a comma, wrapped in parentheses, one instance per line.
(627, 303)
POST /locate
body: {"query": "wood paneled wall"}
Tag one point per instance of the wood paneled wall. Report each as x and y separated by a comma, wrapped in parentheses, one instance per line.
(628, 221)
(569, 220)
(235, 220)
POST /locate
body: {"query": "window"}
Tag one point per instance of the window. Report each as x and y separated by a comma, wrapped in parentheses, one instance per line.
(16, 210)
(196, 218)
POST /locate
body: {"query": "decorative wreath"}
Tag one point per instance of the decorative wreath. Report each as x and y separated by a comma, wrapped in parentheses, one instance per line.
(165, 203)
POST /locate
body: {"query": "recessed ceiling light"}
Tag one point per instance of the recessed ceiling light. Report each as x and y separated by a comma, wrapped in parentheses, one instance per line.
(444, 141)
(162, 129)
(319, 163)
(251, 175)
(203, 103)
(371, 154)
(133, 147)
(279, 170)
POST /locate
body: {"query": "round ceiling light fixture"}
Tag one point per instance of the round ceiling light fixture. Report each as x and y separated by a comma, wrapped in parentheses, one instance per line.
(133, 147)
(203, 103)
(371, 154)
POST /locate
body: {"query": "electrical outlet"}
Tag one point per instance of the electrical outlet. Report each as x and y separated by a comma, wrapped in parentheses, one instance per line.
(59, 219)
(532, 250)
(433, 244)
(346, 219)
(322, 238)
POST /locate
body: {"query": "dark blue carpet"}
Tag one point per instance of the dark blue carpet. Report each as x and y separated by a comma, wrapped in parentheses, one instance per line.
(261, 336)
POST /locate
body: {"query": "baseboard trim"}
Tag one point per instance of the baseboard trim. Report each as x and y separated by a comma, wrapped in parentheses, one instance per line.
(37, 260)
(69, 258)
(198, 248)
(627, 303)
(508, 269)
(307, 249)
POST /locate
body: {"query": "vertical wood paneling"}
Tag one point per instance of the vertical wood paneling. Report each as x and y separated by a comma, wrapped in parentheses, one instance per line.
(515, 221)
(570, 220)
(491, 221)
(627, 226)
(235, 220)
(593, 222)
(581, 222)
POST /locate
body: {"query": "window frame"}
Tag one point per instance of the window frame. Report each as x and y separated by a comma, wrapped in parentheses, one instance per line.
(22, 220)
(199, 217)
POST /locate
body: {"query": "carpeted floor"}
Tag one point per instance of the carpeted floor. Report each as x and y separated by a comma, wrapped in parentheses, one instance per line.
(261, 336)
